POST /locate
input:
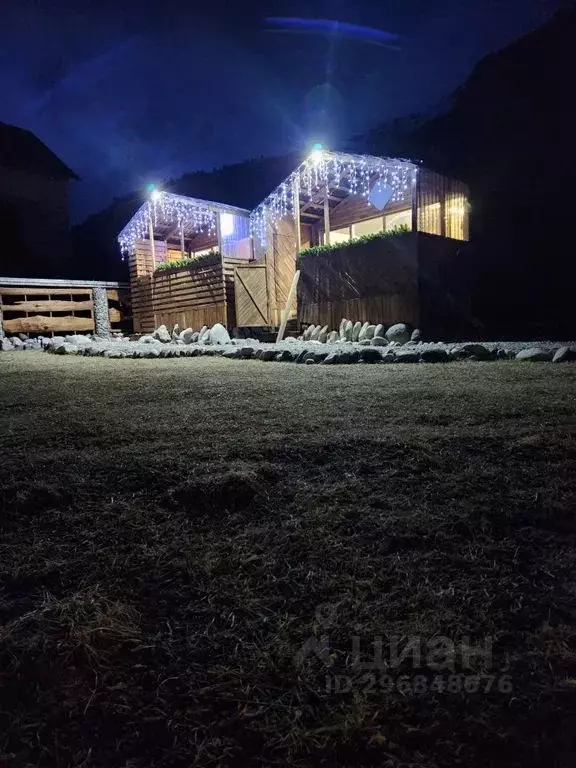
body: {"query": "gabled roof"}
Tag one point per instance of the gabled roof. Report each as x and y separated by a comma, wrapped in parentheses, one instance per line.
(23, 150)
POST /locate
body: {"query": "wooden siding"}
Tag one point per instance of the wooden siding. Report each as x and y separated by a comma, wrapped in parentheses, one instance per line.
(373, 282)
(442, 206)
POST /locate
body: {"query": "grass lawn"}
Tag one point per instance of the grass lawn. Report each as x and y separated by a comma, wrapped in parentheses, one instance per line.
(189, 547)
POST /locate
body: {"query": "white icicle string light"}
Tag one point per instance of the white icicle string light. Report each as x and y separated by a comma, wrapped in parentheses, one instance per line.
(167, 209)
(325, 170)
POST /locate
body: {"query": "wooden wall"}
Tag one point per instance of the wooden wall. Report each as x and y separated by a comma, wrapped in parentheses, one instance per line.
(373, 282)
(445, 277)
(191, 296)
(37, 307)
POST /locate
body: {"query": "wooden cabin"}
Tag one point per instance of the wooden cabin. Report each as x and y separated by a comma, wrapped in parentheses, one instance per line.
(374, 239)
(371, 238)
(182, 255)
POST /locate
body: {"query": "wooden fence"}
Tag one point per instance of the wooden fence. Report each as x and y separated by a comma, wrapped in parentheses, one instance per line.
(375, 282)
(61, 306)
(191, 296)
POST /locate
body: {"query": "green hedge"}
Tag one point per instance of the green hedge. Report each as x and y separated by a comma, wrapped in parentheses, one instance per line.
(324, 249)
(191, 261)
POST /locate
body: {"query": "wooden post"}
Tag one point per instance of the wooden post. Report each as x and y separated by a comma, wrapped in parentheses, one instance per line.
(415, 188)
(182, 244)
(289, 301)
(297, 215)
(151, 236)
(326, 219)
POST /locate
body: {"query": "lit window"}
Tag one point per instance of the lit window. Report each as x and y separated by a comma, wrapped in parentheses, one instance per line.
(430, 219)
(400, 219)
(226, 224)
(368, 227)
(456, 217)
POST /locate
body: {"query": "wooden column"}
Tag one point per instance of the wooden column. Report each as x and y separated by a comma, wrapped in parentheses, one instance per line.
(182, 244)
(297, 215)
(415, 188)
(326, 220)
(151, 236)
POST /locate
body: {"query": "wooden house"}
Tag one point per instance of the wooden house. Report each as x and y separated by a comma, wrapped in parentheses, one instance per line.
(372, 239)
(34, 222)
(182, 254)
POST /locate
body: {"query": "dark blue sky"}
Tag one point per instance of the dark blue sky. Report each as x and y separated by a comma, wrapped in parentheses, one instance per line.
(126, 91)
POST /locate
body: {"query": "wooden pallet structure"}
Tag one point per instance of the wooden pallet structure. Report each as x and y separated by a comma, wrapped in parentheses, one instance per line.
(47, 307)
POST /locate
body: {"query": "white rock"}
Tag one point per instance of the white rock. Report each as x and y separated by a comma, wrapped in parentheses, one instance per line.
(187, 335)
(379, 330)
(219, 334)
(534, 355)
(362, 332)
(348, 330)
(564, 355)
(399, 333)
(161, 334)
(356, 330)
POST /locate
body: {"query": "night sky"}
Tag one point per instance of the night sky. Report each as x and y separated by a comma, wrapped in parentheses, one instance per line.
(130, 92)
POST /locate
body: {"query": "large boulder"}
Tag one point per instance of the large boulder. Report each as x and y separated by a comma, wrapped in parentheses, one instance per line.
(416, 335)
(333, 337)
(6, 345)
(219, 334)
(534, 355)
(161, 334)
(187, 336)
(348, 330)
(65, 348)
(315, 333)
(400, 333)
(478, 351)
(564, 355)
(379, 330)
(437, 355)
(379, 341)
(307, 335)
(356, 328)
(323, 335)
(203, 331)
(342, 329)
(370, 355)
(175, 332)
(362, 333)
(406, 356)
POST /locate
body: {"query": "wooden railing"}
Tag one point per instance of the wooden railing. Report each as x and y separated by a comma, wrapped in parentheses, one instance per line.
(62, 306)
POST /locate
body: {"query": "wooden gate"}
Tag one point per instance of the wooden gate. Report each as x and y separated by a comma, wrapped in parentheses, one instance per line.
(251, 295)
